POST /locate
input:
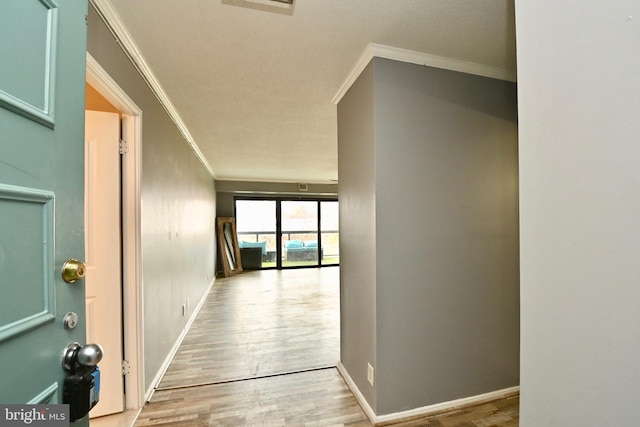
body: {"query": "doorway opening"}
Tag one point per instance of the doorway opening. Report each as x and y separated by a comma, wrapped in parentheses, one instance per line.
(130, 209)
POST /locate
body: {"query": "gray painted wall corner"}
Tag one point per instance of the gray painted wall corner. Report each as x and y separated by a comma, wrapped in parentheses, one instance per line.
(447, 233)
(433, 176)
(358, 233)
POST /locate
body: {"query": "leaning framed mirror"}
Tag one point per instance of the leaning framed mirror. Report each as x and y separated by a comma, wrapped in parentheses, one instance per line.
(228, 246)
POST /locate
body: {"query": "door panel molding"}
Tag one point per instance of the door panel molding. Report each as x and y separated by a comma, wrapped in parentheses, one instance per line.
(28, 218)
(28, 86)
(49, 395)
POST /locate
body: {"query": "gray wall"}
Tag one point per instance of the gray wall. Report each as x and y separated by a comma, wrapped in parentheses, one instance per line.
(225, 205)
(444, 164)
(356, 169)
(579, 95)
(227, 190)
(276, 188)
(178, 209)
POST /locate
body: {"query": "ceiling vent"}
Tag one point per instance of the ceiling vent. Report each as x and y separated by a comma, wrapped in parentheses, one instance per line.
(282, 7)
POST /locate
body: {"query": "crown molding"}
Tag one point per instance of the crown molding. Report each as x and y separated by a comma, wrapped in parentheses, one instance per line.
(374, 50)
(124, 39)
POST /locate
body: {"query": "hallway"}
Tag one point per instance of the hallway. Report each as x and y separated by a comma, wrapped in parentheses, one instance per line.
(262, 352)
(252, 329)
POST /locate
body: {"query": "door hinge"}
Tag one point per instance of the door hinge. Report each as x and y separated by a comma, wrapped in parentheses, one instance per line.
(123, 146)
(126, 367)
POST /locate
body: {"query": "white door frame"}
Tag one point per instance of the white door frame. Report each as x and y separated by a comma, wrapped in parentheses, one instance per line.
(98, 78)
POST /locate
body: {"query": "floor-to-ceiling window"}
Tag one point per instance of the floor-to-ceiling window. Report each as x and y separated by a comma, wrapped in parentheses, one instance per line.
(281, 233)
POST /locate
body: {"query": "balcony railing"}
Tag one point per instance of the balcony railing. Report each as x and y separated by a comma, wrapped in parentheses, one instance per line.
(329, 252)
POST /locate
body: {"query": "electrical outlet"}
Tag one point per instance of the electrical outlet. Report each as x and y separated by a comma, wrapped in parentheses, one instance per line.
(370, 373)
(187, 304)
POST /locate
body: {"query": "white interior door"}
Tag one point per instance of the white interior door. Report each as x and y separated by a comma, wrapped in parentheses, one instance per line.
(103, 253)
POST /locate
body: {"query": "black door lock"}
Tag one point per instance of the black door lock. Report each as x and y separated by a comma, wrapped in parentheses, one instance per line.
(81, 390)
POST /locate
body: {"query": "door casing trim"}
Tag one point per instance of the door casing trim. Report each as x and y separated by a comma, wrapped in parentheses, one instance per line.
(132, 304)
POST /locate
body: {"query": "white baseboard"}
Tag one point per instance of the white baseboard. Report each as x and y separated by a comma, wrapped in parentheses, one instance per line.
(424, 410)
(356, 392)
(167, 361)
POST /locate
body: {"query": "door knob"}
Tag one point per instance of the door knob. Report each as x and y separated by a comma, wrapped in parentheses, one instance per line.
(72, 270)
(88, 355)
(81, 389)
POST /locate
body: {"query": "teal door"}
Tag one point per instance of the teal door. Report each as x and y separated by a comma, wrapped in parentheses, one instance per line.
(42, 78)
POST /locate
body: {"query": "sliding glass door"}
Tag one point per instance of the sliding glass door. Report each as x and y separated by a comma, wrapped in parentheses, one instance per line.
(299, 233)
(281, 233)
(256, 229)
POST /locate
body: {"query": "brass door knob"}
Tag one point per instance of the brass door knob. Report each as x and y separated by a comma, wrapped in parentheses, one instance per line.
(72, 270)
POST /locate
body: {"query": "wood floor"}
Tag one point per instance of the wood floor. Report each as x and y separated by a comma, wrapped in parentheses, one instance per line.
(261, 323)
(231, 369)
(299, 399)
(497, 413)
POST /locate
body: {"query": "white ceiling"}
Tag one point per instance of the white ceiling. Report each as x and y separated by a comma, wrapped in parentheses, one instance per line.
(255, 88)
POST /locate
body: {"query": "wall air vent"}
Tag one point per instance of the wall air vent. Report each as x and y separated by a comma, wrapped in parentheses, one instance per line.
(282, 7)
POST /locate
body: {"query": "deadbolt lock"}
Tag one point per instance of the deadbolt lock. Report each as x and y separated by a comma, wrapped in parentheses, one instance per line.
(72, 270)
